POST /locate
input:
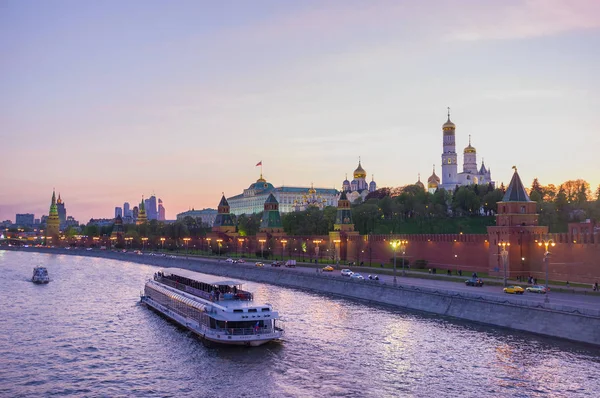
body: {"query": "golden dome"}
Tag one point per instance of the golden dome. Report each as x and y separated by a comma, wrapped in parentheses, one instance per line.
(433, 181)
(470, 149)
(312, 190)
(360, 172)
(261, 179)
(448, 125)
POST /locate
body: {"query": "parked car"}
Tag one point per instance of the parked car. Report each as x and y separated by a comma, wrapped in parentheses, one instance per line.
(514, 290)
(259, 264)
(536, 289)
(474, 282)
(241, 260)
(229, 260)
(374, 277)
(357, 276)
(276, 264)
(328, 268)
(347, 272)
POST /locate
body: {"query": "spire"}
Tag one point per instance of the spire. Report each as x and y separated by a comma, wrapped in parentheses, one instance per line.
(419, 177)
(516, 191)
(448, 113)
(53, 196)
(469, 139)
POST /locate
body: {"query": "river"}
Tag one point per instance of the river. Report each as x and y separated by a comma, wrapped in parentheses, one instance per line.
(85, 334)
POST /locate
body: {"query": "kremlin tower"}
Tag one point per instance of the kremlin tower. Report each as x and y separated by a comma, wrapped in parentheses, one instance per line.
(53, 222)
(142, 218)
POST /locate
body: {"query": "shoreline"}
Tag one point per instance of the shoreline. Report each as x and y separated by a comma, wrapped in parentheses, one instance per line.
(560, 321)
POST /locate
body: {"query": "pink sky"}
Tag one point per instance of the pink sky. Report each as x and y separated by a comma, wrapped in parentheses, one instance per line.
(110, 101)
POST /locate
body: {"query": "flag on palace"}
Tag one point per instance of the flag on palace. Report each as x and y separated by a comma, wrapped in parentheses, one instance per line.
(259, 163)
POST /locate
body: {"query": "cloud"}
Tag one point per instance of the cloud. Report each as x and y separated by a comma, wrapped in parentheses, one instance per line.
(526, 19)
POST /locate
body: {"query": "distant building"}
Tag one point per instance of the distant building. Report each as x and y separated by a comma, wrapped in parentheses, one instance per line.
(24, 220)
(5, 223)
(101, 222)
(161, 211)
(36, 221)
(118, 212)
(359, 187)
(71, 222)
(252, 200)
(142, 217)
(126, 210)
(62, 212)
(470, 174)
(150, 207)
(135, 213)
(206, 216)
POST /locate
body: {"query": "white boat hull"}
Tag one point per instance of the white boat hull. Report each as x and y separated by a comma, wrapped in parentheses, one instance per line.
(212, 335)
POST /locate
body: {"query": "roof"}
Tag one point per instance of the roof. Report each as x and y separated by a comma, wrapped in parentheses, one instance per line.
(516, 191)
(197, 276)
(223, 201)
(271, 199)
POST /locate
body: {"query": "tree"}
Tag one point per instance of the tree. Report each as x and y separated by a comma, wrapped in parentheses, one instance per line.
(536, 187)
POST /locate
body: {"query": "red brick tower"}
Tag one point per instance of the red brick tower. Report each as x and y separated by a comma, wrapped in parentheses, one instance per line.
(516, 224)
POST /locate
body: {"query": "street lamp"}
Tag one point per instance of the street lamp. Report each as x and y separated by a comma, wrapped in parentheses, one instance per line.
(219, 244)
(317, 242)
(162, 244)
(262, 247)
(209, 246)
(241, 242)
(144, 239)
(128, 241)
(335, 248)
(186, 240)
(504, 254)
(283, 242)
(547, 243)
(401, 244)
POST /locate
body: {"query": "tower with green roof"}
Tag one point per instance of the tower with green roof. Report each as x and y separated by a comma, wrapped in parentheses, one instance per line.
(271, 219)
(343, 218)
(142, 217)
(53, 221)
(223, 221)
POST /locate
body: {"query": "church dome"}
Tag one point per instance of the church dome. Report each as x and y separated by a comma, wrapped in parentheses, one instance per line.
(448, 127)
(470, 149)
(360, 172)
(420, 184)
(433, 181)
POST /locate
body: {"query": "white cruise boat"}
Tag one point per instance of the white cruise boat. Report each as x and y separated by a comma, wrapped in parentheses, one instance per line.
(218, 310)
(40, 275)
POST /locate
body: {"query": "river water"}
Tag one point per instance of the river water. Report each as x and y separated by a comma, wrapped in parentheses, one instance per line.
(85, 334)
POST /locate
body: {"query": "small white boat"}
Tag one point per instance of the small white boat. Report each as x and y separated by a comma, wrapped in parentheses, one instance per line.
(40, 275)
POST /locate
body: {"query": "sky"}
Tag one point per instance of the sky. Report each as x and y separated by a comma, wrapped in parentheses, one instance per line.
(110, 101)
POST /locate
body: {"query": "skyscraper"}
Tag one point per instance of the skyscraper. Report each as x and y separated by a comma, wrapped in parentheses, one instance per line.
(150, 206)
(126, 210)
(161, 211)
(62, 212)
(118, 212)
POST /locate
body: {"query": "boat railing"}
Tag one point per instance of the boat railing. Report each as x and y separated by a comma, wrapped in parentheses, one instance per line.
(245, 331)
(239, 295)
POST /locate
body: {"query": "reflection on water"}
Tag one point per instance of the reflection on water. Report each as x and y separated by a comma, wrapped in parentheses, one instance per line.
(85, 334)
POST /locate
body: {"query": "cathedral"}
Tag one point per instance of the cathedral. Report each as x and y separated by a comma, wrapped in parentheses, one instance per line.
(450, 177)
(359, 187)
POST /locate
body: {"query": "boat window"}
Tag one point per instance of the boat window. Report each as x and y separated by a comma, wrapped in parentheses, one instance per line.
(252, 310)
(265, 310)
(238, 310)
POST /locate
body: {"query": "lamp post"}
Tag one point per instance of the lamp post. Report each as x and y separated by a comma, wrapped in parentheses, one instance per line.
(209, 247)
(162, 244)
(504, 254)
(144, 239)
(128, 241)
(547, 243)
(219, 244)
(283, 242)
(317, 242)
(403, 244)
(186, 240)
(241, 242)
(336, 242)
(262, 248)
(395, 244)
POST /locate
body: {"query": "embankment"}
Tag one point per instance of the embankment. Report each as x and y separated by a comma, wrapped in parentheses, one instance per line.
(576, 324)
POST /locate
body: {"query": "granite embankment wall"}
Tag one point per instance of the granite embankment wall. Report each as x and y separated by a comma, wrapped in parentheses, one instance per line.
(554, 320)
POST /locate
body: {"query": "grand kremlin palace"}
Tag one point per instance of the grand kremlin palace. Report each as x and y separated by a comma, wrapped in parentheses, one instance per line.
(290, 199)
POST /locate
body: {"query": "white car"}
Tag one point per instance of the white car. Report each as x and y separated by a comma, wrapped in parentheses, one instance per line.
(229, 260)
(347, 272)
(357, 276)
